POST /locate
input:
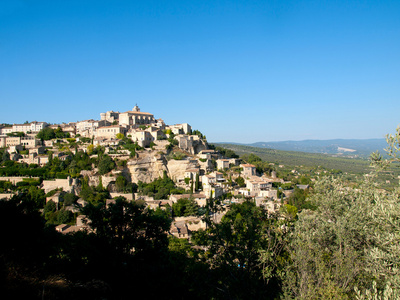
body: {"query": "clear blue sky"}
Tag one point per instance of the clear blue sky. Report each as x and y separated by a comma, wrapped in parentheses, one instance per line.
(239, 71)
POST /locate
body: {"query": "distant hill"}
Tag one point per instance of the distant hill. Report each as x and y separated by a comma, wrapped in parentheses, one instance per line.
(341, 147)
(305, 159)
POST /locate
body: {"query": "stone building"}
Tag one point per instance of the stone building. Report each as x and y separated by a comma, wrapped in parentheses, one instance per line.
(136, 118)
(248, 169)
(110, 131)
(110, 116)
(29, 127)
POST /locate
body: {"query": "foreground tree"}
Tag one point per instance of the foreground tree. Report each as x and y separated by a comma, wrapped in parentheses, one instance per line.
(128, 226)
(246, 248)
(347, 243)
(348, 247)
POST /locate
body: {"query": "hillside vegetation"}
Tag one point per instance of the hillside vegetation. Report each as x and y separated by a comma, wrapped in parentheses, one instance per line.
(343, 147)
(354, 168)
(294, 158)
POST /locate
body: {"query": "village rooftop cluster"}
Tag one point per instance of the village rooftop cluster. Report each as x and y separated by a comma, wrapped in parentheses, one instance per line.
(188, 160)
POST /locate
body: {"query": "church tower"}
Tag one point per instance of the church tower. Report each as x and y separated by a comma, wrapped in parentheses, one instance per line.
(136, 108)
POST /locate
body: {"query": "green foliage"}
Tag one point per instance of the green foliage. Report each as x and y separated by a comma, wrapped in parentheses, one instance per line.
(36, 196)
(240, 181)
(228, 153)
(49, 134)
(173, 142)
(245, 236)
(347, 242)
(56, 168)
(125, 254)
(16, 134)
(56, 217)
(5, 156)
(310, 160)
(122, 185)
(120, 136)
(93, 195)
(106, 164)
(251, 158)
(64, 217)
(6, 185)
(50, 206)
(160, 188)
(299, 199)
(199, 134)
(128, 225)
(185, 207)
(69, 199)
(128, 144)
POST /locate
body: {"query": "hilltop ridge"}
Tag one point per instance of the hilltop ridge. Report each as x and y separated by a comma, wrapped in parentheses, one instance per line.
(343, 147)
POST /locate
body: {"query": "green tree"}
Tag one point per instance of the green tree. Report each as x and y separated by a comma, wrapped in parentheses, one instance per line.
(106, 164)
(64, 216)
(346, 244)
(246, 239)
(6, 156)
(179, 207)
(299, 199)
(120, 183)
(128, 225)
(228, 153)
(69, 199)
(37, 196)
(240, 181)
(46, 134)
(185, 207)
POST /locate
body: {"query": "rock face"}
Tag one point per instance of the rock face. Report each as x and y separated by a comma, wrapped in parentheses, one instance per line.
(177, 168)
(94, 180)
(206, 166)
(149, 165)
(147, 168)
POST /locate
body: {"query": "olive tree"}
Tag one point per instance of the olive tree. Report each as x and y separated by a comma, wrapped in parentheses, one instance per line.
(348, 247)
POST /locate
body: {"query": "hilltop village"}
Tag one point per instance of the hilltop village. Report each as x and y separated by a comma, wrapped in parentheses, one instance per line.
(108, 208)
(128, 155)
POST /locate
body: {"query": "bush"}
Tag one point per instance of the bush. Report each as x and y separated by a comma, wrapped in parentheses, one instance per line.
(22, 183)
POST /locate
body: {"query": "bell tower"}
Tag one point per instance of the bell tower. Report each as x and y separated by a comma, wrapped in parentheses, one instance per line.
(136, 108)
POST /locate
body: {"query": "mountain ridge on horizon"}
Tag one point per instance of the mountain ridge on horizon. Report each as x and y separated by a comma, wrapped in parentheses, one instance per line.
(359, 147)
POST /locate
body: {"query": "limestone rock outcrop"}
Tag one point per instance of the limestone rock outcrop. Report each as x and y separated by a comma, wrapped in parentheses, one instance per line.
(147, 168)
(177, 168)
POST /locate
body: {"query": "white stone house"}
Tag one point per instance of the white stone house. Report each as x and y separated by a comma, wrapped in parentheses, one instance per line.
(248, 169)
(29, 127)
(207, 154)
(223, 164)
(142, 137)
(110, 131)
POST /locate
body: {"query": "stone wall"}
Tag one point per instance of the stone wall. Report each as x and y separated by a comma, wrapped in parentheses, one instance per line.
(68, 185)
(15, 179)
